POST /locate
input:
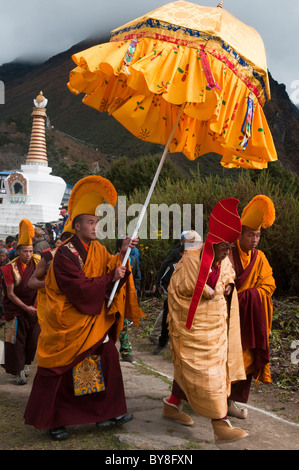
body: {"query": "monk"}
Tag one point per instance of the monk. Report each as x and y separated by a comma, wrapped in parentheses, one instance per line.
(79, 379)
(255, 285)
(204, 327)
(21, 325)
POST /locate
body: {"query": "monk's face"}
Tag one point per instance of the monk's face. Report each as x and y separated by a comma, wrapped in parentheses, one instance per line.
(25, 253)
(249, 239)
(86, 228)
(221, 250)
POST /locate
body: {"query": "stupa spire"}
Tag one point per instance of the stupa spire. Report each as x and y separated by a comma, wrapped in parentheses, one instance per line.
(37, 154)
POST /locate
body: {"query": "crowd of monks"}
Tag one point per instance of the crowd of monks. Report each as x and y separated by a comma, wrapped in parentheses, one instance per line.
(219, 318)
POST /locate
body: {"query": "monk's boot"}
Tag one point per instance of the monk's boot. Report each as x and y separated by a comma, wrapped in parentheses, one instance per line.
(225, 432)
(235, 411)
(175, 413)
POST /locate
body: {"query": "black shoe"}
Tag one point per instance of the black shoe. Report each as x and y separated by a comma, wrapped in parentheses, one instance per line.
(58, 434)
(122, 419)
(154, 340)
(127, 357)
(159, 349)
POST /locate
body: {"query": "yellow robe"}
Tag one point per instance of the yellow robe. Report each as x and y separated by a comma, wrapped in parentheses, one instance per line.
(66, 332)
(208, 357)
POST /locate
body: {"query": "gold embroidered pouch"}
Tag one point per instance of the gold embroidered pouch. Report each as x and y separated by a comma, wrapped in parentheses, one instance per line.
(88, 376)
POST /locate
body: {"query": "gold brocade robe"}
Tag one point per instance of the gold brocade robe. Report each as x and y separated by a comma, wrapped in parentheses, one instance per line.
(208, 357)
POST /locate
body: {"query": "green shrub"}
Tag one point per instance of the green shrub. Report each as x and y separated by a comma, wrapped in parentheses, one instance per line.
(128, 175)
(279, 242)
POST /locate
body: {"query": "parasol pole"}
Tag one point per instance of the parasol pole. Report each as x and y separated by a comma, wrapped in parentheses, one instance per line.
(151, 190)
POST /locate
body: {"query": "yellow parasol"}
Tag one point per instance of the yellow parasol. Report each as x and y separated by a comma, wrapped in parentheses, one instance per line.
(190, 77)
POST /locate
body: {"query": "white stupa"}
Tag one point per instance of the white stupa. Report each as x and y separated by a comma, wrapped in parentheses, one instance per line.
(32, 192)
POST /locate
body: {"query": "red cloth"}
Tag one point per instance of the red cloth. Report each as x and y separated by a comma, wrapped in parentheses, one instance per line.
(22, 290)
(214, 276)
(172, 400)
(224, 225)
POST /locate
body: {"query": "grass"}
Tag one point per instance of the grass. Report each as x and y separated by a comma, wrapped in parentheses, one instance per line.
(15, 436)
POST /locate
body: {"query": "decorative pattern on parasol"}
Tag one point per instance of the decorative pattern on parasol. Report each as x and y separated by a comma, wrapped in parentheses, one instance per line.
(183, 53)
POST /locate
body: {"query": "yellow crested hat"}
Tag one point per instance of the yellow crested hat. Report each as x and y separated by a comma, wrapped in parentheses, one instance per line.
(259, 213)
(26, 232)
(88, 194)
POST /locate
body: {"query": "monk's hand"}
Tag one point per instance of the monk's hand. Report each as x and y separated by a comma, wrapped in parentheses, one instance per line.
(126, 243)
(228, 289)
(31, 310)
(119, 273)
(211, 292)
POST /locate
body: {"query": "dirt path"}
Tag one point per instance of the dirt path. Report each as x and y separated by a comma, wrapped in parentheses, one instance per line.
(147, 381)
(273, 415)
(272, 423)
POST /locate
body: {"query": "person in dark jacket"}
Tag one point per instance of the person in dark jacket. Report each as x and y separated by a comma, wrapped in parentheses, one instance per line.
(160, 286)
(126, 350)
(39, 242)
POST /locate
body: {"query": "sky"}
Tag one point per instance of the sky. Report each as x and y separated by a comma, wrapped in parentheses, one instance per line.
(39, 29)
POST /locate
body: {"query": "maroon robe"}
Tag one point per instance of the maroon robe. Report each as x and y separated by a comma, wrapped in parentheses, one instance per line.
(21, 290)
(252, 323)
(23, 350)
(52, 402)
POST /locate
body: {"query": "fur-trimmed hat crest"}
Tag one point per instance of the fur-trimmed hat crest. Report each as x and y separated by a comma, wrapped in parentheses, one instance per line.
(88, 194)
(259, 213)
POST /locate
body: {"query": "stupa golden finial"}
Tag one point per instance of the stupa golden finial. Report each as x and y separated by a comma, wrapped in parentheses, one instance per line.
(40, 101)
(220, 4)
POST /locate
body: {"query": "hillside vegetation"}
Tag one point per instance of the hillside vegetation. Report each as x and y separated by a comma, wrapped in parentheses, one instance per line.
(279, 242)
